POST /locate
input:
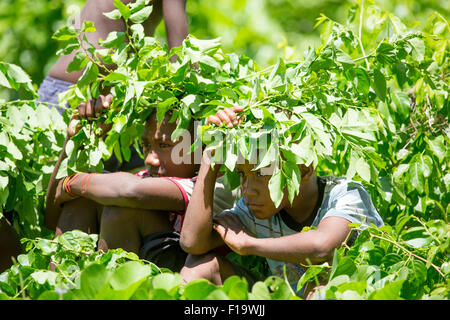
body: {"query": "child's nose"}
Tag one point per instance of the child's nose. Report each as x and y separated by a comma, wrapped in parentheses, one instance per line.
(152, 159)
(250, 191)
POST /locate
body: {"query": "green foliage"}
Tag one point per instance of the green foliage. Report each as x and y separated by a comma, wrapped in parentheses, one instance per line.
(30, 140)
(261, 29)
(82, 273)
(368, 102)
(26, 36)
(389, 263)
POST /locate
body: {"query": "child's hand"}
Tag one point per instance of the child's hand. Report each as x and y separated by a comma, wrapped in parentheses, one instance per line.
(233, 232)
(89, 110)
(228, 116)
(60, 195)
(94, 108)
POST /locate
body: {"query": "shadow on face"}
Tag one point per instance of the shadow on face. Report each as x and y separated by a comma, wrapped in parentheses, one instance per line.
(158, 149)
(255, 188)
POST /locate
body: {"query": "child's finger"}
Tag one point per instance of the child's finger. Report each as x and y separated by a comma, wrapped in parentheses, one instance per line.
(219, 229)
(90, 109)
(72, 129)
(98, 108)
(82, 110)
(223, 116)
(237, 108)
(231, 115)
(107, 101)
(214, 120)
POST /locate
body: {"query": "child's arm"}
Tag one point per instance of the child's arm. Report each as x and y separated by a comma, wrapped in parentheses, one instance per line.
(175, 20)
(52, 205)
(316, 245)
(123, 189)
(54, 196)
(197, 235)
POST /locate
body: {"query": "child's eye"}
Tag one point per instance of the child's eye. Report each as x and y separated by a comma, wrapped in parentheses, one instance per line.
(164, 145)
(146, 145)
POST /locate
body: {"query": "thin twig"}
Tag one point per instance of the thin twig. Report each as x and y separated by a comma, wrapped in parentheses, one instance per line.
(410, 253)
(360, 32)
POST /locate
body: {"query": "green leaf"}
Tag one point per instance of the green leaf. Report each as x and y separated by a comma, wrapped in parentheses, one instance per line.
(379, 84)
(270, 156)
(115, 76)
(123, 9)
(361, 80)
(88, 26)
(390, 291)
(128, 277)
(276, 187)
(418, 52)
(49, 295)
(65, 33)
(401, 102)
(437, 145)
(419, 242)
(166, 281)
(304, 150)
(342, 266)
(89, 75)
(386, 53)
(416, 176)
(17, 74)
(14, 151)
(4, 139)
(79, 62)
(43, 276)
(93, 280)
(141, 15)
(113, 40)
(260, 292)
(114, 14)
(95, 155)
(3, 80)
(3, 181)
(198, 289)
(236, 288)
(311, 273)
(162, 108)
(192, 101)
(363, 169)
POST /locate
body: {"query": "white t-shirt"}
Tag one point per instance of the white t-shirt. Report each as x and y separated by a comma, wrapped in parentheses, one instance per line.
(341, 198)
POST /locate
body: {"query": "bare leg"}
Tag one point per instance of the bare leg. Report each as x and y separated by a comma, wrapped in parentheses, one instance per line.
(126, 227)
(9, 244)
(210, 266)
(81, 214)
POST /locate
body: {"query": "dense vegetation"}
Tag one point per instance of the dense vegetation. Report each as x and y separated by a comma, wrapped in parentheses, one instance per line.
(369, 102)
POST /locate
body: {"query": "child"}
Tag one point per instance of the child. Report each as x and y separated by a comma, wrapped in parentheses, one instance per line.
(254, 226)
(140, 213)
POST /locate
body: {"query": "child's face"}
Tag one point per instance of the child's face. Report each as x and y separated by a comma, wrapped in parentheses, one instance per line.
(255, 189)
(158, 150)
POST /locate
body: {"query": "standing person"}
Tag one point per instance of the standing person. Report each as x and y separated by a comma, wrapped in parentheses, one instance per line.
(254, 226)
(173, 12)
